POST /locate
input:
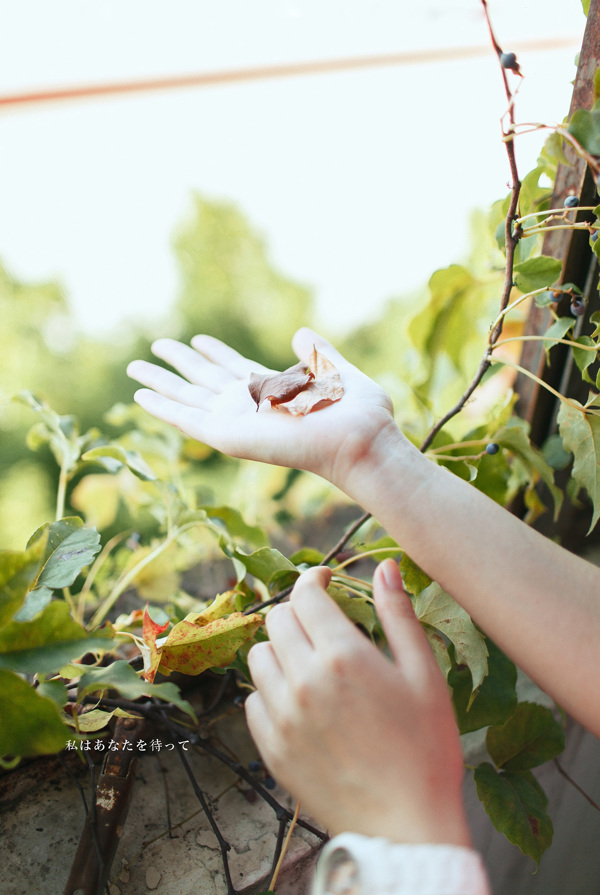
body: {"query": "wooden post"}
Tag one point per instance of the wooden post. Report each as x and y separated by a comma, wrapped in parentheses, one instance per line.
(538, 406)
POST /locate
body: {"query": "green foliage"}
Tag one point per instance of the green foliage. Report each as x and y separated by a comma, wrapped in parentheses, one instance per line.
(530, 737)
(517, 806)
(438, 610)
(153, 505)
(584, 125)
(579, 427)
(495, 699)
(537, 273)
(224, 264)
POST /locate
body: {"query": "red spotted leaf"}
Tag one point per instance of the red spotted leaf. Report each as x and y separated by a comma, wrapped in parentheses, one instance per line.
(194, 646)
(151, 653)
(300, 389)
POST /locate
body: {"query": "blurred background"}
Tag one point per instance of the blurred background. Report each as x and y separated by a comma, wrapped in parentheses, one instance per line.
(326, 160)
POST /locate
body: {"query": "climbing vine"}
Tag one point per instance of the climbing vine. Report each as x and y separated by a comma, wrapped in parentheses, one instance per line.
(91, 614)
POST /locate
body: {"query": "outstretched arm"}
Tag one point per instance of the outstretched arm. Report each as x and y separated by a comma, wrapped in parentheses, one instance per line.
(535, 599)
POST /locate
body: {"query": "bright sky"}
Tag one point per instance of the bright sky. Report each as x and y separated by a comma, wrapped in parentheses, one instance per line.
(361, 182)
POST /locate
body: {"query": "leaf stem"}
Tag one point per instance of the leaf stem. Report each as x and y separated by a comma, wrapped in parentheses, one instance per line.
(499, 360)
(285, 847)
(61, 494)
(547, 339)
(358, 556)
(125, 580)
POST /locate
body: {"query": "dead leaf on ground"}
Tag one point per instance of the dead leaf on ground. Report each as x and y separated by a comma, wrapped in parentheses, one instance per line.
(300, 389)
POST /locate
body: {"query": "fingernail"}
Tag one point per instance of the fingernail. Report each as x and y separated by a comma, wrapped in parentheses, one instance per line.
(391, 574)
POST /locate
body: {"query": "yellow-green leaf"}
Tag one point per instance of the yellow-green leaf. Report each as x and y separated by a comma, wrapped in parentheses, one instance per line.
(191, 648)
(436, 608)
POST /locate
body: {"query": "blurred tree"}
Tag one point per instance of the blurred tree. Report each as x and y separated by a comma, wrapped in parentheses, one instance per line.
(231, 290)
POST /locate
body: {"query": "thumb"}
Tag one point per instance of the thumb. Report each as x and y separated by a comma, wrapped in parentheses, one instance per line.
(406, 638)
(305, 339)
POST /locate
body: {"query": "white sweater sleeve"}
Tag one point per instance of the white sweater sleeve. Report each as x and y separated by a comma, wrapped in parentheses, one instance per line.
(352, 864)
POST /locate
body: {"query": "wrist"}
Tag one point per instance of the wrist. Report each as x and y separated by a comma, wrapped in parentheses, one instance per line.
(369, 466)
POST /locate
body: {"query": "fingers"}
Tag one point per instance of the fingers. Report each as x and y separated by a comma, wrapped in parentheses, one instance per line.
(191, 364)
(227, 358)
(168, 384)
(172, 411)
(406, 638)
(325, 624)
(304, 341)
(268, 677)
(259, 723)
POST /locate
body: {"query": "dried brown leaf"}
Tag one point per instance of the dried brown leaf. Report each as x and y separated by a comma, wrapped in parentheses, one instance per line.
(300, 389)
(279, 387)
(324, 389)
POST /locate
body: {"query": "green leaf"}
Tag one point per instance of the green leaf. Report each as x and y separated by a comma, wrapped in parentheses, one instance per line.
(18, 572)
(358, 610)
(580, 433)
(69, 548)
(121, 677)
(496, 698)
(436, 608)
(236, 527)
(60, 433)
(50, 640)
(516, 805)
(191, 648)
(514, 436)
(530, 737)
(307, 556)
(31, 723)
(266, 564)
(586, 8)
(415, 579)
(584, 358)
(114, 457)
(537, 273)
(557, 330)
(54, 690)
(96, 719)
(585, 127)
(34, 603)
(543, 299)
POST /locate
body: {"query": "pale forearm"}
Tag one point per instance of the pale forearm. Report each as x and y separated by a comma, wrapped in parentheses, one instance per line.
(540, 603)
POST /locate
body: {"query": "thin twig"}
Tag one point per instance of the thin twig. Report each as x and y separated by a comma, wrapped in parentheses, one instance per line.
(92, 820)
(576, 785)
(223, 844)
(75, 781)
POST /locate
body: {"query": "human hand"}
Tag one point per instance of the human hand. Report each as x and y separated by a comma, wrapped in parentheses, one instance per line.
(210, 402)
(367, 744)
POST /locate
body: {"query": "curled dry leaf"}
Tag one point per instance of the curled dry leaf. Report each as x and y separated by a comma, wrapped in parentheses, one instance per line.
(279, 387)
(300, 389)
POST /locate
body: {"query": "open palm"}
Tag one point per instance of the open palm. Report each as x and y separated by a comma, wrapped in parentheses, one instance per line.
(210, 402)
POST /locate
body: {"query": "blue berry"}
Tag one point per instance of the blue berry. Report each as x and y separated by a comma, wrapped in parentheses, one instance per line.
(578, 307)
(492, 448)
(509, 60)
(594, 235)
(269, 783)
(571, 202)
(254, 766)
